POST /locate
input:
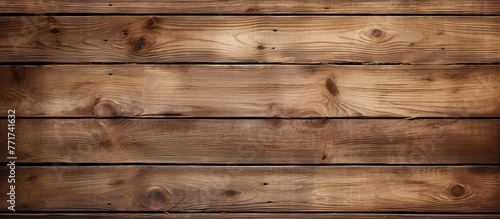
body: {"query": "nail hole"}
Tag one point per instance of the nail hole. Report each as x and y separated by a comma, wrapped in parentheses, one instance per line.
(110, 74)
(275, 30)
(110, 5)
(264, 184)
(274, 48)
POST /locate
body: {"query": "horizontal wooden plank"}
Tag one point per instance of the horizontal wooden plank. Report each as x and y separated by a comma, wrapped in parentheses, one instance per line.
(250, 188)
(253, 7)
(281, 39)
(250, 90)
(248, 215)
(256, 141)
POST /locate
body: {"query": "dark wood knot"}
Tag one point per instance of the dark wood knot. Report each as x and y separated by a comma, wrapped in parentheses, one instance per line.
(377, 33)
(231, 193)
(142, 44)
(252, 10)
(331, 87)
(457, 191)
(51, 19)
(106, 109)
(151, 23)
(19, 73)
(157, 198)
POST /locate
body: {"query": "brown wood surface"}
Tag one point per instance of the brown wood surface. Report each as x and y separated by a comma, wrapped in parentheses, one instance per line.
(256, 189)
(256, 141)
(250, 90)
(278, 39)
(246, 215)
(253, 6)
(251, 109)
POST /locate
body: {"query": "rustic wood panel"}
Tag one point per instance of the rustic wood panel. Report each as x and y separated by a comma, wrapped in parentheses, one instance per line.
(254, 6)
(262, 189)
(248, 215)
(252, 59)
(250, 90)
(282, 39)
(256, 141)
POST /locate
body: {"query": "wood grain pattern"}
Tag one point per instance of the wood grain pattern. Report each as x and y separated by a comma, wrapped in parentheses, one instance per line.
(261, 189)
(254, 6)
(248, 215)
(250, 90)
(256, 141)
(277, 39)
(252, 108)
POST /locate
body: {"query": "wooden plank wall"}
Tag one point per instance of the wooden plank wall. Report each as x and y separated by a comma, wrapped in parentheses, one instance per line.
(251, 109)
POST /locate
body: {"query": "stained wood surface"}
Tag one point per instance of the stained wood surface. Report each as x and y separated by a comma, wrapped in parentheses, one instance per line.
(277, 39)
(250, 91)
(254, 6)
(261, 189)
(252, 109)
(256, 141)
(248, 215)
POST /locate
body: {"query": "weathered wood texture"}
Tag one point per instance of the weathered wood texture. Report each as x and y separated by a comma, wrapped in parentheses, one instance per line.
(248, 215)
(256, 141)
(281, 39)
(266, 61)
(254, 6)
(261, 189)
(250, 90)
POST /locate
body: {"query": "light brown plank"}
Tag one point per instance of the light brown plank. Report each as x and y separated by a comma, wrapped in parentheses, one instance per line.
(256, 141)
(283, 39)
(248, 215)
(261, 189)
(254, 6)
(250, 90)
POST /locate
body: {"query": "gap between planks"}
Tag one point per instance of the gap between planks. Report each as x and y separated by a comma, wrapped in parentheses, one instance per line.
(347, 7)
(170, 215)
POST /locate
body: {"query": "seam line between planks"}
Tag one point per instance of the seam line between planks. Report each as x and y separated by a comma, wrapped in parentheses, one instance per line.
(243, 63)
(250, 118)
(253, 212)
(59, 164)
(277, 14)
